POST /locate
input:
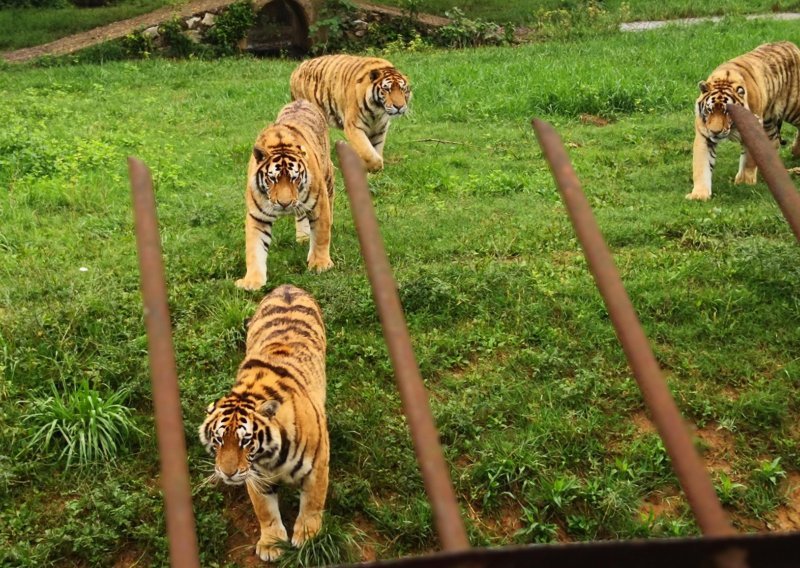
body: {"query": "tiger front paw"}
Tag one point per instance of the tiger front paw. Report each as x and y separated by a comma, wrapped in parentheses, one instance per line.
(306, 529)
(699, 194)
(374, 164)
(320, 263)
(267, 547)
(747, 177)
(250, 282)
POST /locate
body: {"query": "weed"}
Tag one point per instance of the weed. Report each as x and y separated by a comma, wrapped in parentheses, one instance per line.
(87, 427)
(334, 544)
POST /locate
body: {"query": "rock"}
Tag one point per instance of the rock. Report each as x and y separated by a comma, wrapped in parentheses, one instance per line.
(192, 22)
(151, 32)
(208, 19)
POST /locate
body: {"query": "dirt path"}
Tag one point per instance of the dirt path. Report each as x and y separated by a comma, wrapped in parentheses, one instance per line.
(122, 28)
(111, 31)
(644, 26)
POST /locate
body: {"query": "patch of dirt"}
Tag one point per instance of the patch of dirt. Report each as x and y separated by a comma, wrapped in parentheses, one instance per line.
(131, 558)
(371, 546)
(718, 447)
(788, 516)
(502, 525)
(642, 423)
(661, 504)
(242, 539)
(594, 120)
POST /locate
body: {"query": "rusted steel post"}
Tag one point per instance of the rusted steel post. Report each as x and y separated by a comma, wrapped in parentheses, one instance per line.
(166, 397)
(687, 464)
(435, 473)
(769, 162)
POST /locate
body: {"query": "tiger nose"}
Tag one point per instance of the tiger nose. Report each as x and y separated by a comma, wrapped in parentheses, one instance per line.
(283, 203)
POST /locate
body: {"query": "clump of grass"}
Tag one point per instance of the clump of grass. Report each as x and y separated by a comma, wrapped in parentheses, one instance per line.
(333, 545)
(86, 426)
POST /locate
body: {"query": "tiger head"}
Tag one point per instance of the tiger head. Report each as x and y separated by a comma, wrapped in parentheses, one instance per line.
(390, 90)
(712, 105)
(241, 433)
(281, 174)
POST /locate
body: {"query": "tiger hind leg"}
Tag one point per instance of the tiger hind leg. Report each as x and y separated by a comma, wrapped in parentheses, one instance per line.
(748, 171)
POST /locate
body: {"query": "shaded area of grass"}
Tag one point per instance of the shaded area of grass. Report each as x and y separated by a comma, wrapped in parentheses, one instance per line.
(532, 395)
(34, 26)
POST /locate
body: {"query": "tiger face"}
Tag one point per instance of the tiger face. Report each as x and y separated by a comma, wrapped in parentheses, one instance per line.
(712, 105)
(241, 435)
(390, 90)
(281, 176)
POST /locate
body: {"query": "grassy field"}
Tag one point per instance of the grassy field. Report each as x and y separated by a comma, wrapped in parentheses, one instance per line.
(540, 419)
(526, 12)
(34, 26)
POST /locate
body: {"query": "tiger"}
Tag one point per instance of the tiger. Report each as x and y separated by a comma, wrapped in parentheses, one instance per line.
(767, 82)
(290, 172)
(358, 95)
(271, 427)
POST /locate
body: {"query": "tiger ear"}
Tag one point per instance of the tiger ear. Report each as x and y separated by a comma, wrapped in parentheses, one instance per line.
(303, 151)
(374, 74)
(211, 407)
(703, 86)
(269, 409)
(740, 90)
(258, 154)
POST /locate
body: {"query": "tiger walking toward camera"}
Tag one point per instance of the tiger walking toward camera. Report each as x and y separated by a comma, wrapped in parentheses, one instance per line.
(290, 173)
(271, 428)
(358, 95)
(767, 82)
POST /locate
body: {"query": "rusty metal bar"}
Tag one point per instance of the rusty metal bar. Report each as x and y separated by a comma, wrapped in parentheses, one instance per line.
(166, 397)
(769, 162)
(435, 473)
(687, 464)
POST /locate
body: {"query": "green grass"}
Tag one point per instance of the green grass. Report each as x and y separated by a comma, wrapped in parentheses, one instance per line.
(34, 26)
(536, 407)
(526, 12)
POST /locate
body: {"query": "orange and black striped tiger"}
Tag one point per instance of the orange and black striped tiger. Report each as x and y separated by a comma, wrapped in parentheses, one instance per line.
(271, 428)
(766, 81)
(359, 95)
(290, 173)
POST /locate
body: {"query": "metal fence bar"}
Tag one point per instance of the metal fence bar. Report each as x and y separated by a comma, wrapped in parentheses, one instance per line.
(166, 397)
(687, 464)
(435, 473)
(769, 162)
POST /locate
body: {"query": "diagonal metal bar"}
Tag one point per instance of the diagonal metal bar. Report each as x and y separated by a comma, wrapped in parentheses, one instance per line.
(435, 473)
(688, 466)
(166, 397)
(769, 162)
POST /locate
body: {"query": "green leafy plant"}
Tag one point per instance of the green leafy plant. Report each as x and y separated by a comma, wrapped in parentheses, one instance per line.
(330, 29)
(728, 490)
(176, 42)
(466, 32)
(770, 472)
(231, 27)
(138, 45)
(86, 426)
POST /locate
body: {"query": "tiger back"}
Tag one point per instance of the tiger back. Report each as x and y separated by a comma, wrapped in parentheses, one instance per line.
(358, 95)
(767, 82)
(290, 172)
(271, 428)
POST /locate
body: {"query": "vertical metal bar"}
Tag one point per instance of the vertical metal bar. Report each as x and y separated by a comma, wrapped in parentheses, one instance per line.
(435, 473)
(769, 162)
(166, 397)
(687, 464)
